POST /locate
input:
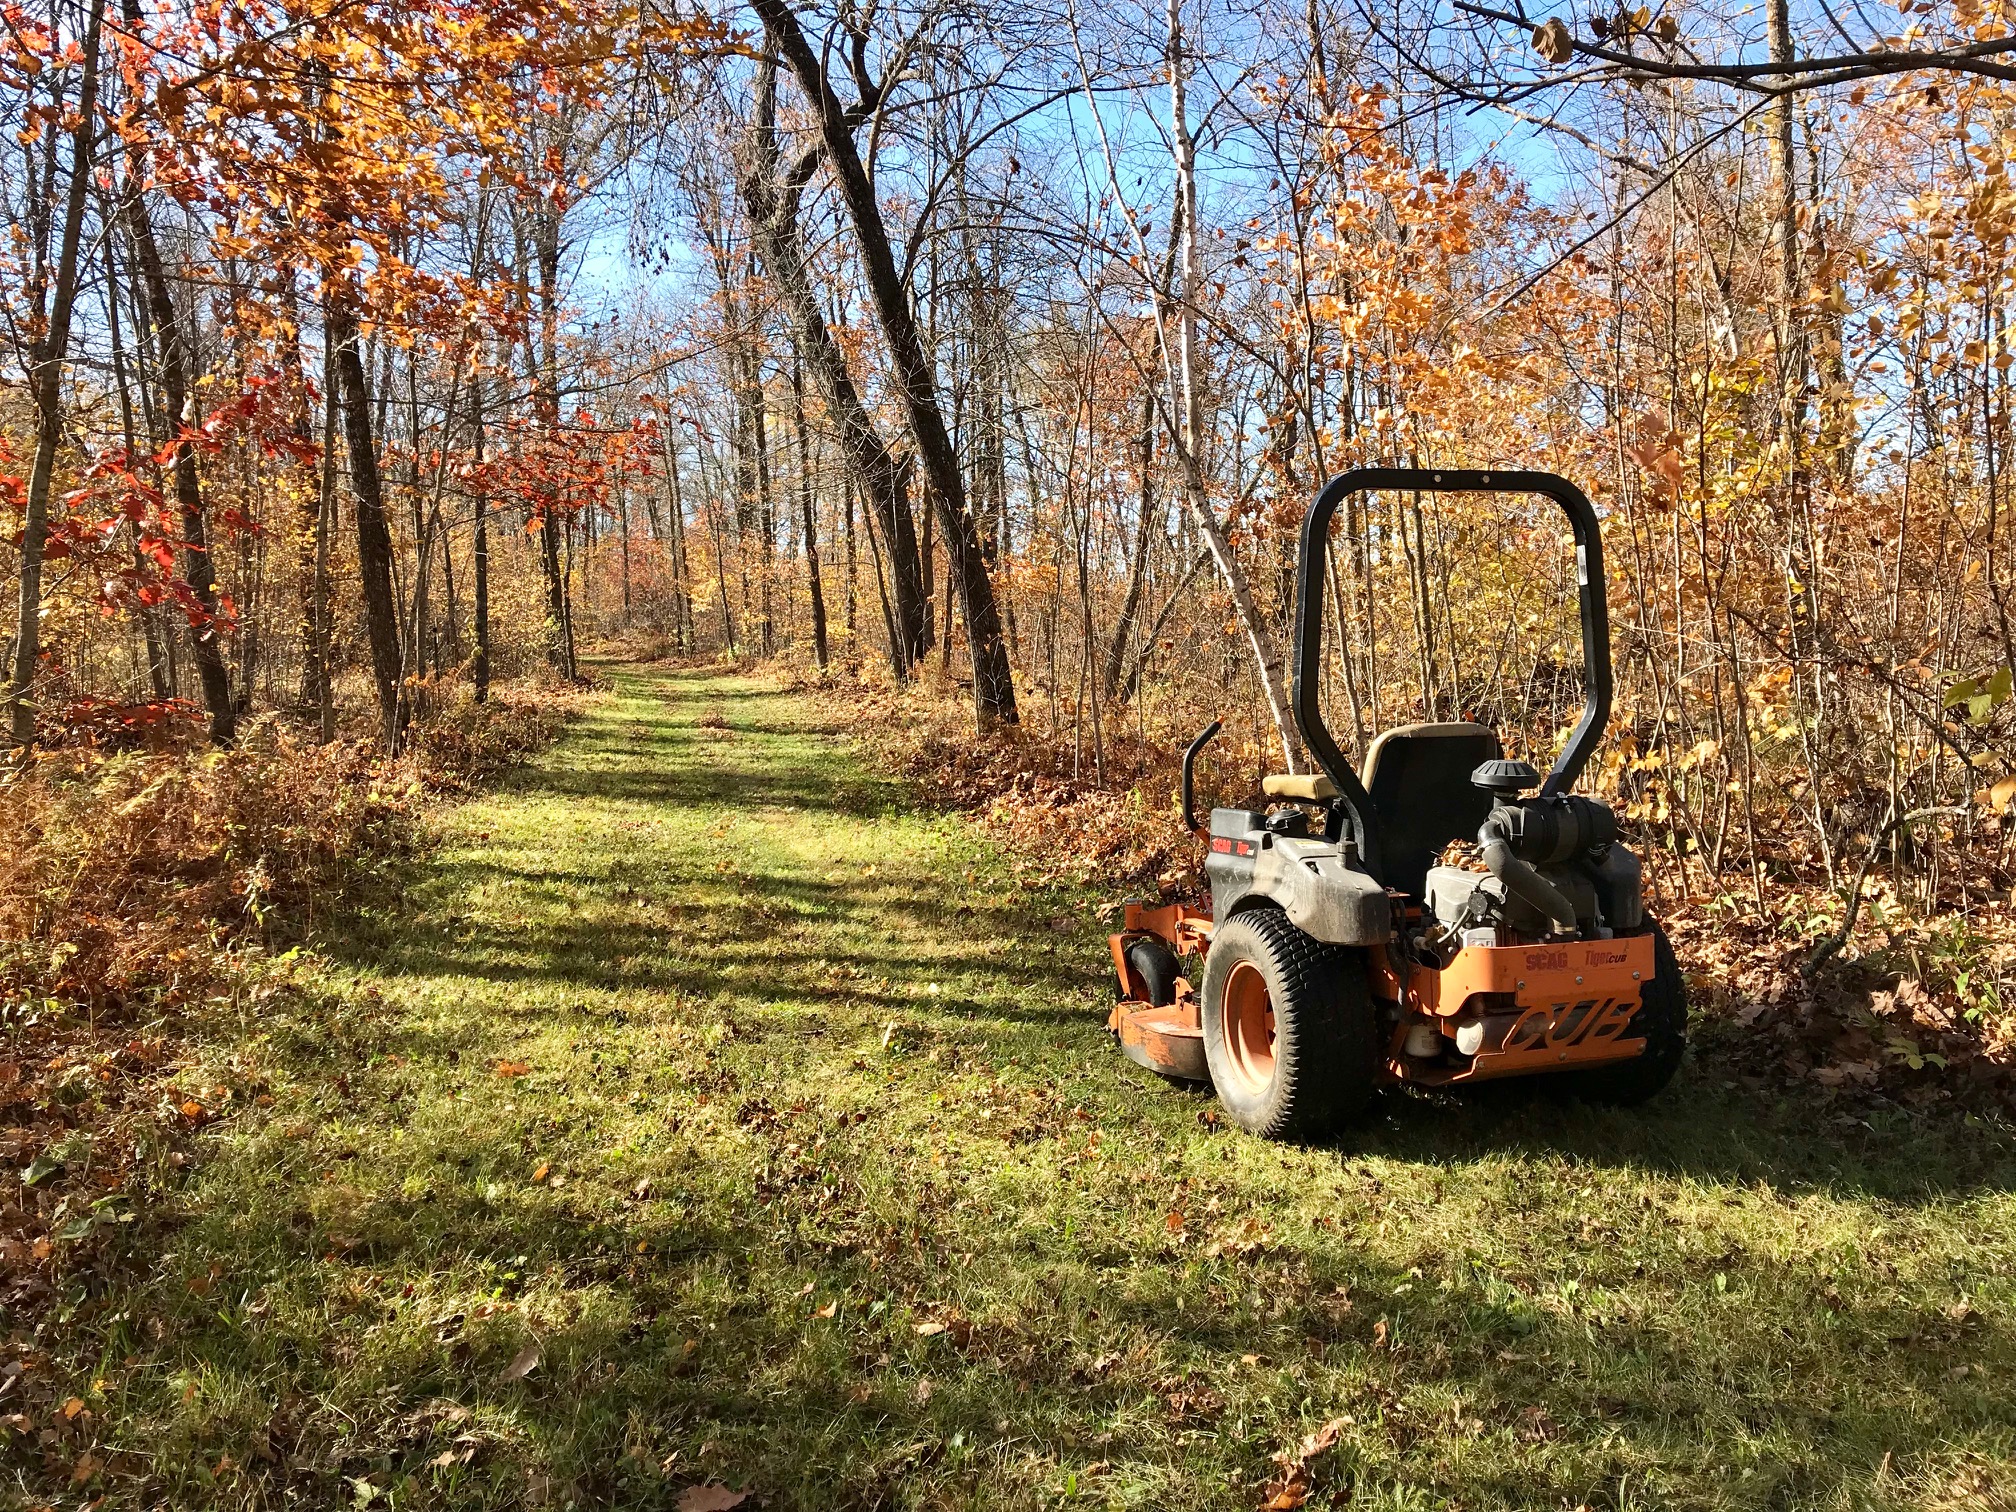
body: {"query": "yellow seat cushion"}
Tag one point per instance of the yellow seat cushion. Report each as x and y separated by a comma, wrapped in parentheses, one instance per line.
(1316, 789)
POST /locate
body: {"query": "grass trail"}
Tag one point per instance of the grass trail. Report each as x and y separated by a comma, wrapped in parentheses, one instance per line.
(781, 1129)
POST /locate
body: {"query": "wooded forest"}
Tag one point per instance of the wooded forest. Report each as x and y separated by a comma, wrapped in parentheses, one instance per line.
(867, 441)
(366, 354)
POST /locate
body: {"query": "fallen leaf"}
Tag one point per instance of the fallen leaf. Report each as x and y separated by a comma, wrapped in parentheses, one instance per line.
(928, 1329)
(513, 1068)
(710, 1498)
(1292, 1488)
(541, 1172)
(71, 1408)
(40, 1169)
(522, 1364)
(1324, 1438)
(1174, 1222)
(1535, 1424)
(828, 1310)
(86, 1468)
(1379, 1334)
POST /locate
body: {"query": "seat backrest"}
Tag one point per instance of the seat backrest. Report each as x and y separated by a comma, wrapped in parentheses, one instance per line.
(1419, 779)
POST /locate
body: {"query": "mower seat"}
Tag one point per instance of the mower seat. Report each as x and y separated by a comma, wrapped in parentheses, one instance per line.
(1316, 789)
(1418, 777)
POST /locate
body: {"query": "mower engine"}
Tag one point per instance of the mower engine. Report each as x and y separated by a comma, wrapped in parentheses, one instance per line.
(1551, 866)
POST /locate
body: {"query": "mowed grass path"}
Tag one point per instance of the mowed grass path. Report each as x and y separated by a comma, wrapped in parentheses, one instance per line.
(820, 1179)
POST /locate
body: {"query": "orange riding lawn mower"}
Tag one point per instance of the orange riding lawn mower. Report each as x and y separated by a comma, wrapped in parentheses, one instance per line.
(1340, 954)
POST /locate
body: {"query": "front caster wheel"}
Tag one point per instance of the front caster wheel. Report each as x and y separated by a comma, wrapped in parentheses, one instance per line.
(1288, 1028)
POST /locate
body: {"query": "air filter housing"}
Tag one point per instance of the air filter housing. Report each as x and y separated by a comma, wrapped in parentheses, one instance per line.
(1505, 779)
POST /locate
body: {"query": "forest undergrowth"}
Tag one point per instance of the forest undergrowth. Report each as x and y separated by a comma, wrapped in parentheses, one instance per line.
(1911, 1008)
(151, 881)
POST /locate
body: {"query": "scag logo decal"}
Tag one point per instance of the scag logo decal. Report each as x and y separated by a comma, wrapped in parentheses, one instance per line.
(1546, 960)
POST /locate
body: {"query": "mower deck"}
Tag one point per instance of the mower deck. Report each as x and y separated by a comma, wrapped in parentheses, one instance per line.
(1168, 1041)
(1530, 1008)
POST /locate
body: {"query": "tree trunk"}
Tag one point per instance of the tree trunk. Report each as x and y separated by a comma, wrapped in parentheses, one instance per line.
(479, 670)
(374, 537)
(1189, 396)
(809, 515)
(773, 212)
(198, 568)
(309, 614)
(325, 511)
(47, 355)
(159, 678)
(546, 404)
(1137, 568)
(993, 685)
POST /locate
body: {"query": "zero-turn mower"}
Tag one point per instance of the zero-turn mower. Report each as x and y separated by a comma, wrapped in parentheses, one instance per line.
(1338, 955)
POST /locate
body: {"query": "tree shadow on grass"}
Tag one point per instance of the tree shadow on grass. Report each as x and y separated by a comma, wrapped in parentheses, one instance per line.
(1706, 1128)
(690, 1332)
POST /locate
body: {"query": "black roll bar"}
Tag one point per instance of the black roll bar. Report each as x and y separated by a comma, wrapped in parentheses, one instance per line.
(1190, 777)
(1357, 803)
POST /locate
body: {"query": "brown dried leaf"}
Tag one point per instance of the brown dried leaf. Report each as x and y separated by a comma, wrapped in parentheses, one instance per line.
(1553, 41)
(522, 1364)
(710, 1498)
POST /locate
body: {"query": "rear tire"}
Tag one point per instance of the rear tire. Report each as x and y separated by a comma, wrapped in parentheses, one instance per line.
(1288, 1028)
(1662, 1022)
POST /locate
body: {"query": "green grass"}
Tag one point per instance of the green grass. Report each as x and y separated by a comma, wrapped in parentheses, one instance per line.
(808, 1074)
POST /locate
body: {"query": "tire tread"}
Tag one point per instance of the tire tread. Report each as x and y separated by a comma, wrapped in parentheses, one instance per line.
(1664, 1010)
(1330, 1074)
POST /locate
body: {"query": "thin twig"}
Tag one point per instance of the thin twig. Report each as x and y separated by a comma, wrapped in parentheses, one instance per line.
(1831, 946)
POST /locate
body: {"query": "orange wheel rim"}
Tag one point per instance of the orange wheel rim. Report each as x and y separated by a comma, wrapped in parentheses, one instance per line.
(1248, 1019)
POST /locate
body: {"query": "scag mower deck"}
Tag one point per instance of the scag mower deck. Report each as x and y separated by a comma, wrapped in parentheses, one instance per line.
(1537, 1008)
